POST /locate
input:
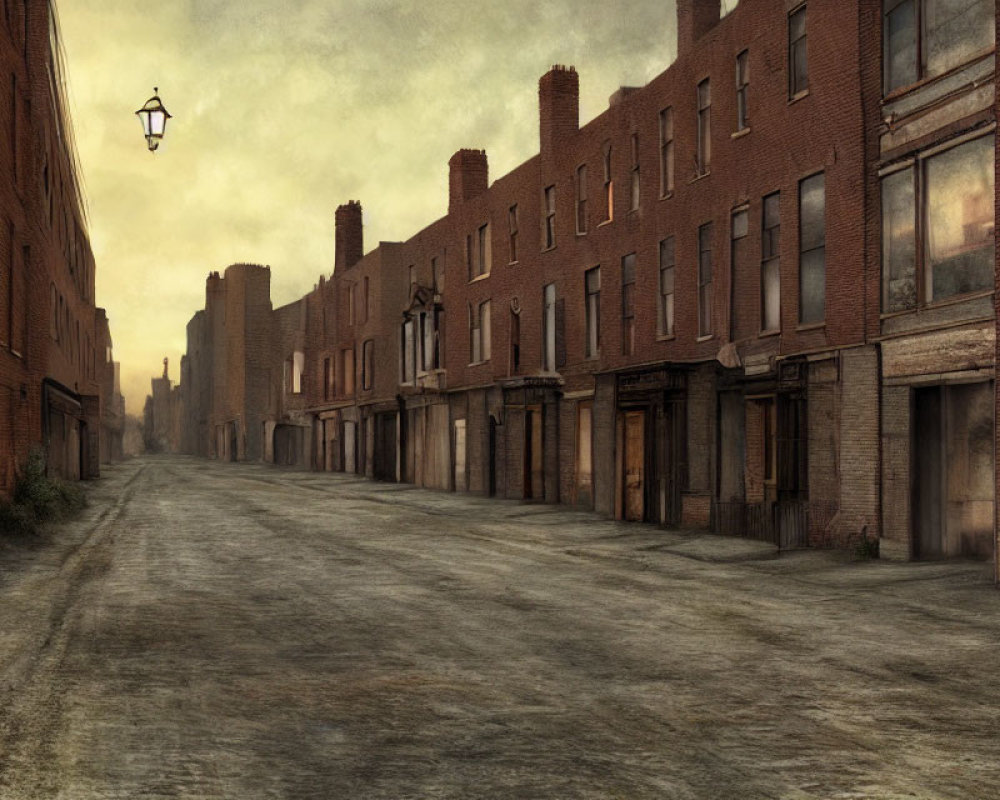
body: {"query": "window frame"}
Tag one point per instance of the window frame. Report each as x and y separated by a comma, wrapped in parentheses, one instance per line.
(581, 200)
(742, 90)
(666, 311)
(549, 217)
(796, 45)
(628, 282)
(703, 155)
(705, 281)
(512, 234)
(634, 177)
(770, 258)
(666, 152)
(592, 312)
(804, 251)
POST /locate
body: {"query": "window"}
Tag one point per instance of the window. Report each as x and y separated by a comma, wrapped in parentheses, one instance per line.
(609, 186)
(770, 264)
(739, 225)
(347, 372)
(351, 304)
(798, 67)
(812, 249)
(427, 332)
(550, 217)
(705, 280)
(938, 227)
(437, 273)
(925, 38)
(478, 252)
(367, 364)
(666, 151)
(549, 328)
(628, 304)
(512, 226)
(409, 352)
(665, 311)
(742, 86)
(634, 185)
(328, 381)
(704, 155)
(479, 332)
(485, 250)
(298, 364)
(592, 288)
(412, 276)
(515, 338)
(581, 199)
(366, 300)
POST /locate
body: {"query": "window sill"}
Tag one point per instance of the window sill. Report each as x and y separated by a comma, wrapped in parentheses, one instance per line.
(478, 278)
(810, 326)
(513, 263)
(700, 176)
(478, 363)
(548, 249)
(766, 334)
(606, 222)
(581, 233)
(799, 96)
(740, 133)
(705, 338)
(666, 337)
(902, 91)
(667, 196)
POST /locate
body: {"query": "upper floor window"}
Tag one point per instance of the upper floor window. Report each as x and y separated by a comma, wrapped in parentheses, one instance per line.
(924, 38)
(666, 151)
(634, 184)
(581, 199)
(409, 352)
(770, 264)
(549, 220)
(628, 304)
(592, 289)
(798, 65)
(437, 274)
(478, 252)
(665, 312)
(298, 365)
(742, 89)
(609, 186)
(938, 223)
(549, 328)
(812, 249)
(512, 232)
(479, 332)
(705, 279)
(367, 364)
(366, 299)
(704, 154)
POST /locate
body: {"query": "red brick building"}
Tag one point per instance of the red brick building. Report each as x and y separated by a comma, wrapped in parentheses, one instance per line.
(749, 295)
(50, 367)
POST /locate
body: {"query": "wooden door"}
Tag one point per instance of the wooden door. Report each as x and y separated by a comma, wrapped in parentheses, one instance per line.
(635, 438)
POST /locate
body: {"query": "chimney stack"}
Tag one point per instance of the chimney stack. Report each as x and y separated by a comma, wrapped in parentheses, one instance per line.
(695, 18)
(558, 108)
(349, 242)
(468, 176)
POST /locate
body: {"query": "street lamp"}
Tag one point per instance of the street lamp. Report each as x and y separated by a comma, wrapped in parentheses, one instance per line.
(154, 120)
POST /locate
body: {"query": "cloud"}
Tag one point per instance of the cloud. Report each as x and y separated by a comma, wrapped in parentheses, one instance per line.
(284, 110)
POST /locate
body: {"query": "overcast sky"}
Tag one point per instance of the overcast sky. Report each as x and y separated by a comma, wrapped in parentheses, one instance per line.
(284, 110)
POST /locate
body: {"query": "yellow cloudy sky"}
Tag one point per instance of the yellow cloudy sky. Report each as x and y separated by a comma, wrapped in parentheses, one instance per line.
(284, 110)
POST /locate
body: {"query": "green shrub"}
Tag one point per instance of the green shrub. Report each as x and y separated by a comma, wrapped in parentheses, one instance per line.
(38, 498)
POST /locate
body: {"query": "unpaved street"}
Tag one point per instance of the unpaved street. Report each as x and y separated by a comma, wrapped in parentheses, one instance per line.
(220, 631)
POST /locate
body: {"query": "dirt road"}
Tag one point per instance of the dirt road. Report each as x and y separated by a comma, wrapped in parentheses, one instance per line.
(221, 631)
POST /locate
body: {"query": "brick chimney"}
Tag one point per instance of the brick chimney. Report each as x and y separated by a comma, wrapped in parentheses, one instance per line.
(558, 107)
(468, 176)
(349, 242)
(695, 18)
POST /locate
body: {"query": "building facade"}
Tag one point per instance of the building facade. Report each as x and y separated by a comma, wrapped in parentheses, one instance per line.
(51, 360)
(752, 296)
